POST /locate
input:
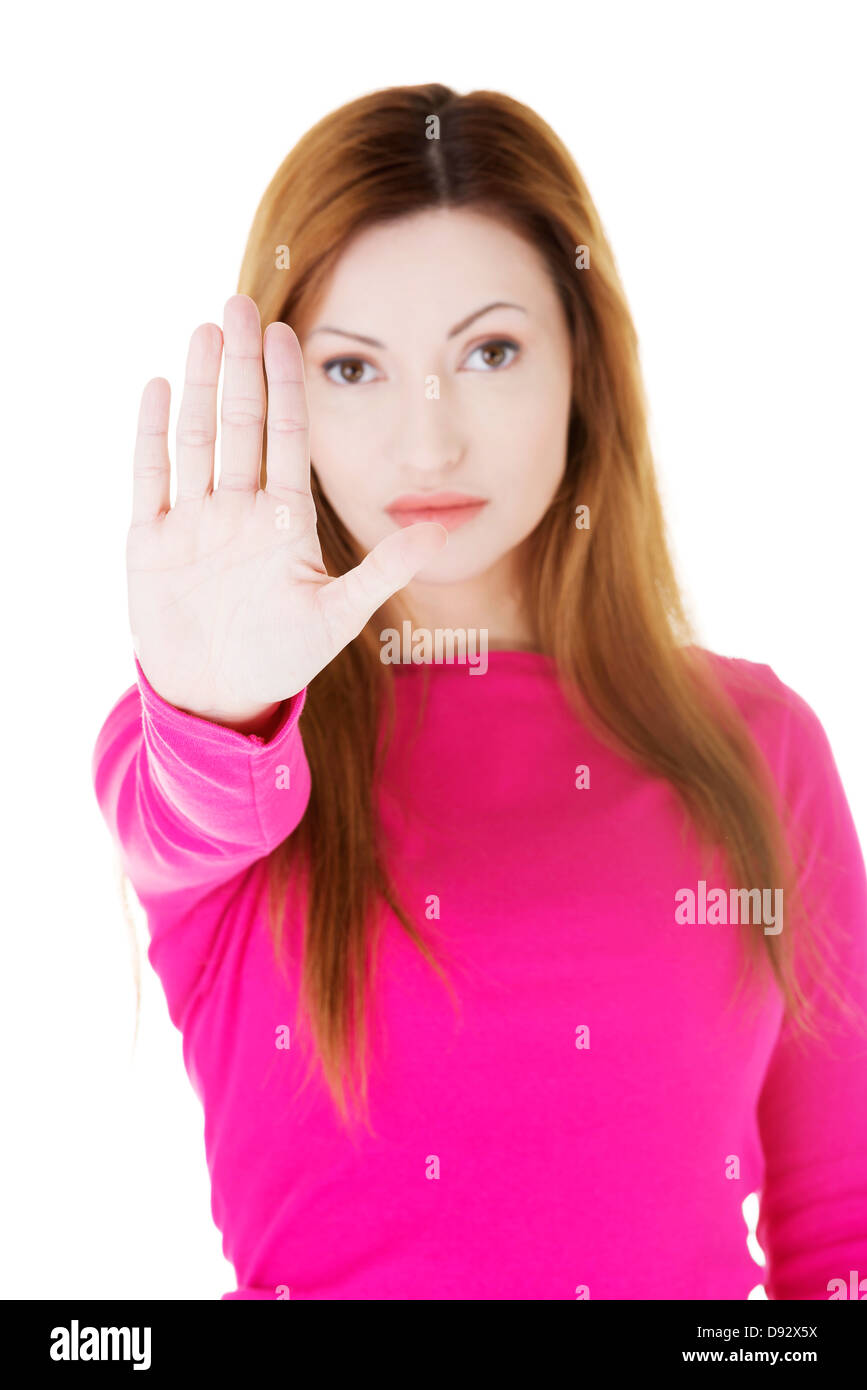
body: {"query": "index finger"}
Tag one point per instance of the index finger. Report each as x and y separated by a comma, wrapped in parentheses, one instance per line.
(288, 459)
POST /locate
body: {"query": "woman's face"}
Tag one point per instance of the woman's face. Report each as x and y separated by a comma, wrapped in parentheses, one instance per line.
(427, 398)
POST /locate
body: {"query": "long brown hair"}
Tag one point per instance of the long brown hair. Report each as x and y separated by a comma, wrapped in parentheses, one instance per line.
(603, 601)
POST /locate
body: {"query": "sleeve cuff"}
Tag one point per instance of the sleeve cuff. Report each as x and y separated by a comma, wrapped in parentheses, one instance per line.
(161, 715)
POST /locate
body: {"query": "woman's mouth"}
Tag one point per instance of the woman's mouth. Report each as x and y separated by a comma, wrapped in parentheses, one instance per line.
(450, 509)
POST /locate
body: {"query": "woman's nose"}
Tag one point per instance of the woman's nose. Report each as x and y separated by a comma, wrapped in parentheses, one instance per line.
(427, 435)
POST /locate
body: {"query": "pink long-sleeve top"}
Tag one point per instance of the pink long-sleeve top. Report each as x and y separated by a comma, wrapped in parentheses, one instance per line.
(590, 1120)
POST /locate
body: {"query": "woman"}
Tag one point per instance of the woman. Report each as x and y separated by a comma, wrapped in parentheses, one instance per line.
(513, 937)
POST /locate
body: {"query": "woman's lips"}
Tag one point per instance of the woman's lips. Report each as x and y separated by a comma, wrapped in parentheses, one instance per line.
(451, 510)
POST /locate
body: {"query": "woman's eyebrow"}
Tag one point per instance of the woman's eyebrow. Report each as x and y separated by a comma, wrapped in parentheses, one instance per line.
(458, 328)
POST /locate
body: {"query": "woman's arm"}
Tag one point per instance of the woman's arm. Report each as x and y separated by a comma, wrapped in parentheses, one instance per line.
(813, 1107)
(190, 803)
(200, 770)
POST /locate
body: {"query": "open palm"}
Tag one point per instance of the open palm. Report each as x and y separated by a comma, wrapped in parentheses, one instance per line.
(230, 605)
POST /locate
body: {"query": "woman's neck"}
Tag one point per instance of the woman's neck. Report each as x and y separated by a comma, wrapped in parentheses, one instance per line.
(491, 602)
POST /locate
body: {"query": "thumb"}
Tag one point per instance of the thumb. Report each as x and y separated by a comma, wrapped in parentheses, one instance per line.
(353, 598)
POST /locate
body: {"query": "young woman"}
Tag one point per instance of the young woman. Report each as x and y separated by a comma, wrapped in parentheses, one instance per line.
(513, 937)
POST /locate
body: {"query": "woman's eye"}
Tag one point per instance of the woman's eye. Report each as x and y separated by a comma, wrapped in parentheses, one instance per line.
(493, 353)
(349, 371)
(352, 376)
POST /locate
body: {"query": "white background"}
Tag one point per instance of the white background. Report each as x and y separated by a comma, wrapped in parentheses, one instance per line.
(724, 147)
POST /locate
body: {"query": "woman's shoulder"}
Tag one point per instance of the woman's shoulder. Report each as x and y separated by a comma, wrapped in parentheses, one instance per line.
(753, 684)
(781, 720)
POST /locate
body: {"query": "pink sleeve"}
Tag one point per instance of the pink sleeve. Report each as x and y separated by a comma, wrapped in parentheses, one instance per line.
(192, 804)
(813, 1106)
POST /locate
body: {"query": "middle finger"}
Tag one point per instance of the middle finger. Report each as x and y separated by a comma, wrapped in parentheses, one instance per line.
(242, 411)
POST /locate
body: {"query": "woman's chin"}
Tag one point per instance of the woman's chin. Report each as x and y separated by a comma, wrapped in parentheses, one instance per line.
(448, 567)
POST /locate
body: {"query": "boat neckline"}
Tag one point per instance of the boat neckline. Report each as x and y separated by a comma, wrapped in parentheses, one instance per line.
(497, 656)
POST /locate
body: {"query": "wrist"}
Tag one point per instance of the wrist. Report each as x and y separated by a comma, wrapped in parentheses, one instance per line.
(260, 720)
